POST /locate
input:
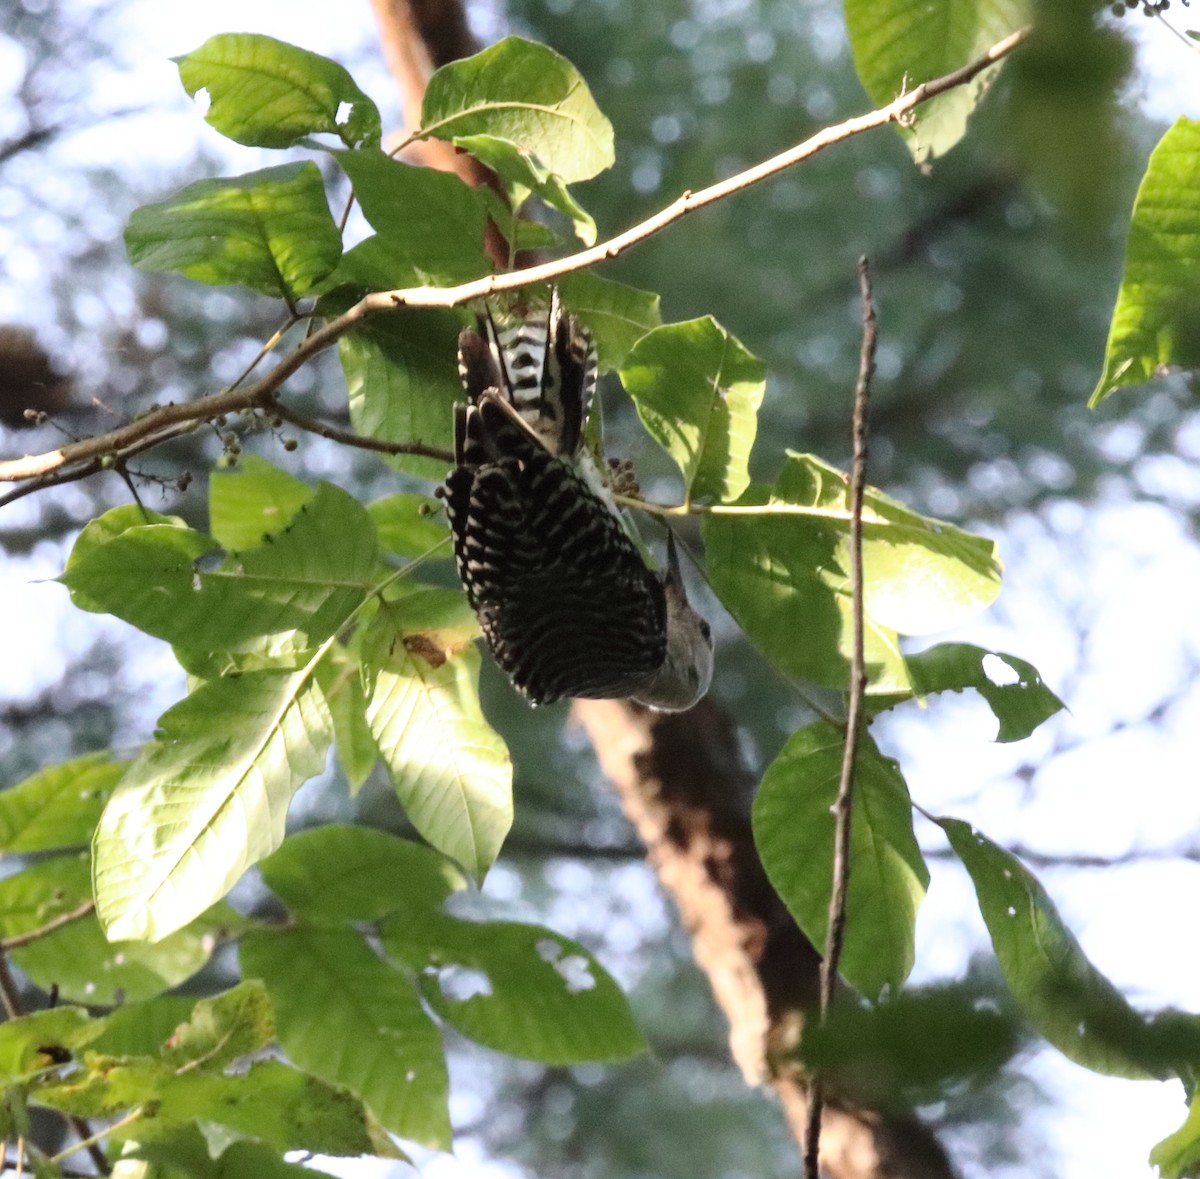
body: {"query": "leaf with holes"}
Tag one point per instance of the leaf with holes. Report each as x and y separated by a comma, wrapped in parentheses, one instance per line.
(520, 989)
(267, 93)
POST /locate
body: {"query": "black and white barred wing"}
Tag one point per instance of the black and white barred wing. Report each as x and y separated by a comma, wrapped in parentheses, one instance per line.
(564, 598)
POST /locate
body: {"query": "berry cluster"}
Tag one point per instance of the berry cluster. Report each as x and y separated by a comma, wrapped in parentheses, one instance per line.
(1148, 7)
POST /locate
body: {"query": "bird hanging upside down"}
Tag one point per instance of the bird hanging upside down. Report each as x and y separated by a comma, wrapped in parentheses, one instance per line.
(564, 598)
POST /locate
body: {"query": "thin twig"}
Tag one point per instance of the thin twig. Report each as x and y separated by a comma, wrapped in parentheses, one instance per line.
(260, 395)
(836, 929)
(312, 426)
(9, 995)
(23, 939)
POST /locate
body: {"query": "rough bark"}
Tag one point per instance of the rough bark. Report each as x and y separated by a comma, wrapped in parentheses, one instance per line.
(684, 788)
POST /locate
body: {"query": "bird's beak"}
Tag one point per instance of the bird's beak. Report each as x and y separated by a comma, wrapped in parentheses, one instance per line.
(673, 581)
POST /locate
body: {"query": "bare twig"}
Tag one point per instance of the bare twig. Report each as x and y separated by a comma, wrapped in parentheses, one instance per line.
(23, 939)
(312, 426)
(836, 929)
(116, 444)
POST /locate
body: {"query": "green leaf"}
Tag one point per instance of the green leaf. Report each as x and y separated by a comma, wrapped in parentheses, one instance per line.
(523, 173)
(183, 1151)
(104, 528)
(898, 44)
(525, 93)
(340, 679)
(344, 873)
(350, 1018)
(407, 524)
(267, 93)
(1064, 996)
(232, 1024)
(76, 957)
(908, 1050)
(794, 830)
(697, 390)
(271, 1102)
(270, 231)
(1156, 323)
(430, 224)
(784, 574)
(403, 384)
(142, 1027)
(57, 807)
(24, 1041)
(206, 799)
(451, 771)
(1178, 1155)
(252, 501)
(617, 314)
(1011, 686)
(520, 989)
(308, 579)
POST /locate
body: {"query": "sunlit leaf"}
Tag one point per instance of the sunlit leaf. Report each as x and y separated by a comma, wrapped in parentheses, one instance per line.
(267, 93)
(1178, 1155)
(349, 1017)
(251, 501)
(525, 93)
(794, 830)
(785, 577)
(270, 231)
(1063, 995)
(898, 44)
(1011, 686)
(340, 679)
(308, 578)
(1156, 323)
(206, 799)
(451, 771)
(344, 873)
(58, 806)
(520, 989)
(697, 390)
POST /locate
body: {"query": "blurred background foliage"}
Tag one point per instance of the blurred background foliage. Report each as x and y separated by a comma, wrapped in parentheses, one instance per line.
(995, 274)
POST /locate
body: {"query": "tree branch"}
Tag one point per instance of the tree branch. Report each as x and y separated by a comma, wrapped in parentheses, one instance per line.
(117, 443)
(23, 939)
(836, 926)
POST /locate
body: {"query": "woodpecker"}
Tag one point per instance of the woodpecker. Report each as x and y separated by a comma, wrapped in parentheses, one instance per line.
(565, 601)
